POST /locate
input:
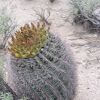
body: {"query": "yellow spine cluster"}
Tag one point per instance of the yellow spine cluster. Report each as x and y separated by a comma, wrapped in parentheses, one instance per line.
(28, 40)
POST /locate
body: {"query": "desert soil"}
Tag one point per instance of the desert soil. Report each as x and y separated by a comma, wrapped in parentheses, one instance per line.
(84, 44)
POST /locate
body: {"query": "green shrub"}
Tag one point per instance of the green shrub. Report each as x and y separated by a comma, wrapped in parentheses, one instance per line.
(6, 96)
(2, 59)
(6, 27)
(87, 5)
(85, 13)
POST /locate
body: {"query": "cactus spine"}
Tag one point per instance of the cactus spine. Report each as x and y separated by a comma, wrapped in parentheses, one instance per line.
(28, 40)
(50, 75)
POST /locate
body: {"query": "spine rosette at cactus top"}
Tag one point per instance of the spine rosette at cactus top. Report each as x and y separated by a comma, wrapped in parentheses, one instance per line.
(28, 40)
(42, 64)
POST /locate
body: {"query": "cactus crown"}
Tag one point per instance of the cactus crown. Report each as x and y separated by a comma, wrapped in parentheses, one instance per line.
(28, 40)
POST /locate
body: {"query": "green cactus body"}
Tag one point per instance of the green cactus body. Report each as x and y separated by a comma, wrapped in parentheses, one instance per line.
(49, 75)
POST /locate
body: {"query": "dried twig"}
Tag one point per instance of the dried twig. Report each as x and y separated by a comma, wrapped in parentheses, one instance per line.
(42, 16)
(7, 32)
(84, 17)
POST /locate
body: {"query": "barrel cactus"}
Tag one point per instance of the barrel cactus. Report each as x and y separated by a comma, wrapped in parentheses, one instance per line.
(50, 74)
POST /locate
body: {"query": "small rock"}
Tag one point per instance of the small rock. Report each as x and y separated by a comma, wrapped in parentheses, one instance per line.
(96, 13)
(87, 88)
(52, 0)
(98, 77)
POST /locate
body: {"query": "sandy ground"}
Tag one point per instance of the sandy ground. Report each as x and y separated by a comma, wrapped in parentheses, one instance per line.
(85, 46)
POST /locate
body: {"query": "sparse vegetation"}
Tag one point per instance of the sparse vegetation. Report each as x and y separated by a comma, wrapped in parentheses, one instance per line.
(6, 96)
(6, 27)
(42, 16)
(9, 96)
(83, 12)
(2, 59)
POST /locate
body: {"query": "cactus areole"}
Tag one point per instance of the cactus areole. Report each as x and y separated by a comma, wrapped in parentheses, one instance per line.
(28, 40)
